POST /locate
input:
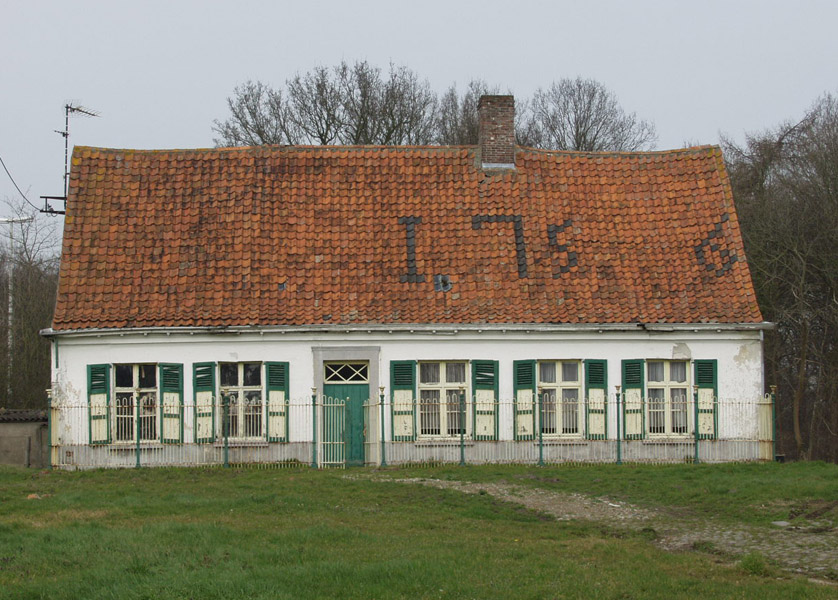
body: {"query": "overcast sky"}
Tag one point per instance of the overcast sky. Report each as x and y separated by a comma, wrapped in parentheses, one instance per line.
(159, 72)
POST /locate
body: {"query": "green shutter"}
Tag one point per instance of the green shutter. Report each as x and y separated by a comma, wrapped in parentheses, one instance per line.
(596, 399)
(203, 387)
(403, 399)
(706, 378)
(634, 414)
(523, 382)
(171, 404)
(634, 417)
(484, 380)
(99, 403)
(276, 374)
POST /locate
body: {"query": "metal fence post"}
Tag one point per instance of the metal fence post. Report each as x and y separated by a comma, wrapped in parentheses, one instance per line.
(313, 428)
(695, 413)
(49, 429)
(619, 432)
(773, 389)
(137, 413)
(540, 429)
(225, 427)
(462, 427)
(381, 401)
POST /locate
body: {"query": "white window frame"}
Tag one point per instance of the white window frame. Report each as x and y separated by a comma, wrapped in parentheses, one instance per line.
(237, 394)
(554, 409)
(663, 399)
(447, 403)
(144, 404)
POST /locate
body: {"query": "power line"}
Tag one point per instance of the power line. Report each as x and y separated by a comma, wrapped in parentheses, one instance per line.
(5, 168)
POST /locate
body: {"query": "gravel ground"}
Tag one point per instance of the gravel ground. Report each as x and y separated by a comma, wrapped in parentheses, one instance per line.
(812, 550)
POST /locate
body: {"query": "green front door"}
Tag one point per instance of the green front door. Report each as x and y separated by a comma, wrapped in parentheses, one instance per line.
(349, 382)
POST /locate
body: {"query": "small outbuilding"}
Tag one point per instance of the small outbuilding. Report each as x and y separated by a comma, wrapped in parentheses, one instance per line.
(23, 438)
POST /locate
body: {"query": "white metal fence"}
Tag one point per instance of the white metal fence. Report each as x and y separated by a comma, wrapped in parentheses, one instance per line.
(321, 432)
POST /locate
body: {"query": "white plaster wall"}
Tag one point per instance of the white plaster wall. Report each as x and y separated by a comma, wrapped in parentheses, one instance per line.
(739, 355)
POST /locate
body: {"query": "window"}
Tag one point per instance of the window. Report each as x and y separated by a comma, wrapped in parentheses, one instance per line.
(135, 402)
(136, 408)
(560, 390)
(440, 387)
(346, 372)
(667, 396)
(242, 399)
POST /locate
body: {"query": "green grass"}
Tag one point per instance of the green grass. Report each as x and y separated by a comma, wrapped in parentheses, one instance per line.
(753, 493)
(186, 533)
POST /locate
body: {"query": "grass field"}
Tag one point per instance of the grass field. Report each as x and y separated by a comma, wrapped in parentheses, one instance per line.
(229, 533)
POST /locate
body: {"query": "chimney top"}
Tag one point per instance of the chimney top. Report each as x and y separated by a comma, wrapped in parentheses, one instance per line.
(497, 131)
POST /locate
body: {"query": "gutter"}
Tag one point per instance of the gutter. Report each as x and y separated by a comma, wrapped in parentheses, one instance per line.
(417, 328)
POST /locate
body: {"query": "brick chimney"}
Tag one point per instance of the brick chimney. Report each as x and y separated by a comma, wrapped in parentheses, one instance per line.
(497, 131)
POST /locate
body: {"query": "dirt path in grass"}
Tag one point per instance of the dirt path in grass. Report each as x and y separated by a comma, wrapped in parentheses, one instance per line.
(812, 551)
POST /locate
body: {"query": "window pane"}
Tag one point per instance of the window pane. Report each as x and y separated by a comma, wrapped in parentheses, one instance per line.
(570, 411)
(657, 395)
(252, 374)
(148, 416)
(124, 416)
(229, 374)
(547, 372)
(570, 371)
(657, 410)
(148, 376)
(656, 421)
(124, 375)
(570, 395)
(429, 373)
(679, 410)
(253, 413)
(429, 412)
(679, 395)
(455, 372)
(655, 371)
(678, 371)
(454, 413)
(232, 413)
(548, 411)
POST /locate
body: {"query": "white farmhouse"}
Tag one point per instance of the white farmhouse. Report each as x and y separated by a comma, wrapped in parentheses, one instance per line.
(366, 304)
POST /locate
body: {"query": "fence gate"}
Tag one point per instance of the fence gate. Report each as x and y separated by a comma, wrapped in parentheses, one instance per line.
(333, 428)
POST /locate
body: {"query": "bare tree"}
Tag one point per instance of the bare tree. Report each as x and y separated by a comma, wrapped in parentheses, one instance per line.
(348, 104)
(786, 187)
(29, 282)
(358, 104)
(457, 119)
(582, 114)
(259, 115)
(316, 106)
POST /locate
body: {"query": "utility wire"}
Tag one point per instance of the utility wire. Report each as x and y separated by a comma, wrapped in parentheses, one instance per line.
(5, 168)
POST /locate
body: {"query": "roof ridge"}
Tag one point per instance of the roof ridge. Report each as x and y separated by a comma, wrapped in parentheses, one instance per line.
(688, 150)
(276, 147)
(713, 148)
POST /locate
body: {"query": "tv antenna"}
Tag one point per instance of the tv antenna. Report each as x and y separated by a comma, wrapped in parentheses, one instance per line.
(75, 109)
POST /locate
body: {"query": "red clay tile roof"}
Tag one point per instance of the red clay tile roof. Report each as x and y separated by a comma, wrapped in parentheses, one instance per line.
(354, 235)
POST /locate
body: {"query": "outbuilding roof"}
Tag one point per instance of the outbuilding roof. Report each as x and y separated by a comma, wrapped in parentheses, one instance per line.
(271, 236)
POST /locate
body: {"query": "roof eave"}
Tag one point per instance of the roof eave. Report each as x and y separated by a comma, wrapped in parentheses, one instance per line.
(419, 328)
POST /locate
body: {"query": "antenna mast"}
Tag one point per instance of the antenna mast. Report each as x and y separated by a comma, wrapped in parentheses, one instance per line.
(70, 107)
